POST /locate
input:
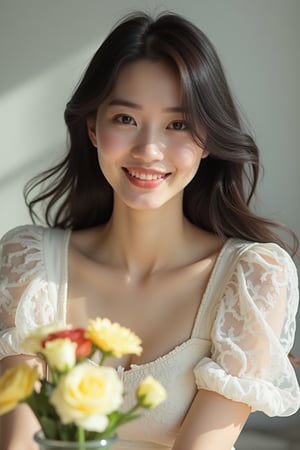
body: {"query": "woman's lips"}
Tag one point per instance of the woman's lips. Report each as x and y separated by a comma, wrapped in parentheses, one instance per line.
(145, 178)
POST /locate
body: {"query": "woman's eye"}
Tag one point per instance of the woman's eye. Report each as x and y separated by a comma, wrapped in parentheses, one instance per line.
(178, 125)
(123, 119)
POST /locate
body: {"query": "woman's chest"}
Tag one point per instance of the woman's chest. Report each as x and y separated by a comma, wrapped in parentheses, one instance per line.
(160, 309)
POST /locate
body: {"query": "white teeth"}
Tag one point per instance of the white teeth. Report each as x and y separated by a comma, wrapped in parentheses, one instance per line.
(144, 176)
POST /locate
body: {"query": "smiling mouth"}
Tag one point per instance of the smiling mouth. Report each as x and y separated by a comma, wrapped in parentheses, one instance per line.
(146, 175)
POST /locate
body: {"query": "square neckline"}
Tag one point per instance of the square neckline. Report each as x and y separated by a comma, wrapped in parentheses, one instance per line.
(177, 348)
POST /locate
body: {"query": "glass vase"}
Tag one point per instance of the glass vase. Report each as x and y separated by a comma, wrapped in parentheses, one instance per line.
(49, 444)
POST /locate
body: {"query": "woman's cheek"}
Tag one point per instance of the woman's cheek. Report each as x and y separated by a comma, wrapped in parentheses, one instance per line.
(187, 156)
(113, 142)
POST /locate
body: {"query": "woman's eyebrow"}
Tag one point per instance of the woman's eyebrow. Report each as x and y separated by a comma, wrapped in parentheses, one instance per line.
(176, 109)
(123, 102)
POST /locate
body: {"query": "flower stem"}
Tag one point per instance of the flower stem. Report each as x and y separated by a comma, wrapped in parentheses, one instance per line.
(104, 357)
(81, 438)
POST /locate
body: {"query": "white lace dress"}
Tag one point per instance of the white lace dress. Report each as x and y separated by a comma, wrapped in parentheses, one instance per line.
(238, 346)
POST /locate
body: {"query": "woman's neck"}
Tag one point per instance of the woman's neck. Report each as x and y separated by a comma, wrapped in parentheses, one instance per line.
(143, 242)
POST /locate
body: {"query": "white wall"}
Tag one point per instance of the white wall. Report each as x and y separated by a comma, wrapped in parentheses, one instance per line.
(44, 46)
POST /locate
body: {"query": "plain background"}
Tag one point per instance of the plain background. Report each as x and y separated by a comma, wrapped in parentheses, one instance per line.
(45, 45)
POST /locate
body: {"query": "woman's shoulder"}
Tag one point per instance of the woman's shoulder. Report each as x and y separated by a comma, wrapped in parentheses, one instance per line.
(18, 246)
(31, 268)
(29, 235)
(266, 273)
(22, 233)
(256, 264)
(27, 250)
(30, 257)
(266, 254)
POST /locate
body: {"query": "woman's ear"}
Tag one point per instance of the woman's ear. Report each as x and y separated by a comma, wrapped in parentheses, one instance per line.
(205, 154)
(91, 129)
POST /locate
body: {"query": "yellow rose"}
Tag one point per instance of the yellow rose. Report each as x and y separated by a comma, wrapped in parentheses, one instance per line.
(113, 338)
(86, 395)
(151, 393)
(60, 354)
(16, 384)
(33, 340)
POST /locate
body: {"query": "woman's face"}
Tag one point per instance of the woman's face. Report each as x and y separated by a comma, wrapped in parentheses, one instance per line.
(145, 148)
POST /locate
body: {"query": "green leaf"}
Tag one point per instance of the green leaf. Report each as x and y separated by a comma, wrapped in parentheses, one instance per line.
(39, 401)
(44, 411)
(49, 427)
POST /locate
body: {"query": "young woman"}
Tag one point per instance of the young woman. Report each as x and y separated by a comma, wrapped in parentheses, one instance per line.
(149, 225)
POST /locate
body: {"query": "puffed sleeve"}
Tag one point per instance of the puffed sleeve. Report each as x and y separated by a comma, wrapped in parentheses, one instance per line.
(253, 332)
(23, 287)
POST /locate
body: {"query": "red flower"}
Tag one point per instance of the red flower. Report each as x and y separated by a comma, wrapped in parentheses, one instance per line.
(77, 335)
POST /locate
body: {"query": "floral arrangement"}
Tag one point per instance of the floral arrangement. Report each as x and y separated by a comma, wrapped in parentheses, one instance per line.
(80, 401)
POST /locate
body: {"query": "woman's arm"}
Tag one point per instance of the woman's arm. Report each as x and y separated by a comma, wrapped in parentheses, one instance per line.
(212, 423)
(253, 332)
(19, 425)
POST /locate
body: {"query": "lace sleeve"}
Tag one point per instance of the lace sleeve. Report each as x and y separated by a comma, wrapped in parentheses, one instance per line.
(253, 332)
(24, 300)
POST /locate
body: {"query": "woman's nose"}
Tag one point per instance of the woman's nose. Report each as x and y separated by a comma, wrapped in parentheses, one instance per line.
(149, 147)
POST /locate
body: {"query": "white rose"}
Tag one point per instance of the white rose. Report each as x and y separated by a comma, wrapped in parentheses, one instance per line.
(60, 354)
(86, 395)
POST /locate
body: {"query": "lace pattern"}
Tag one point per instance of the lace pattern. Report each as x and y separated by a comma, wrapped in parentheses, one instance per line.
(244, 356)
(23, 286)
(253, 332)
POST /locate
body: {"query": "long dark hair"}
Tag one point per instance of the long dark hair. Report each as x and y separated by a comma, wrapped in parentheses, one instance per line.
(218, 198)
